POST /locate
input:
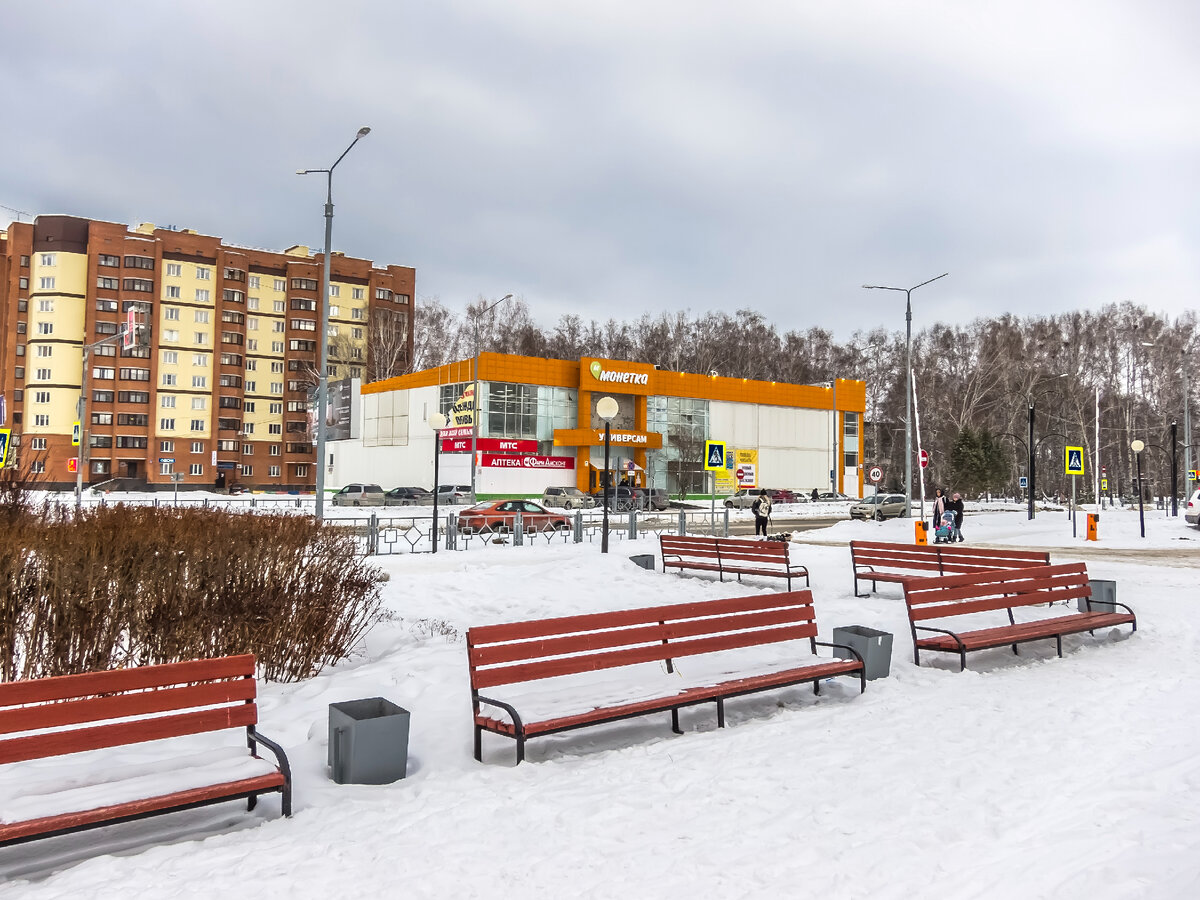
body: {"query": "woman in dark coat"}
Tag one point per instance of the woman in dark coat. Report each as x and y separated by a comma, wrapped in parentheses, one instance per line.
(956, 506)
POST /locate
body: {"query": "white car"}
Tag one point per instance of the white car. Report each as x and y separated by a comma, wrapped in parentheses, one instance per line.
(359, 495)
(1191, 513)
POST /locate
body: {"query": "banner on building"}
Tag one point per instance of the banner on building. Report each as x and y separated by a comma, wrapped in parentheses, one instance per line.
(741, 471)
(462, 413)
(516, 461)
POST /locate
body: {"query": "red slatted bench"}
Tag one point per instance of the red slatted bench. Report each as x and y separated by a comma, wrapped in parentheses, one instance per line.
(47, 717)
(510, 655)
(952, 596)
(730, 556)
(875, 561)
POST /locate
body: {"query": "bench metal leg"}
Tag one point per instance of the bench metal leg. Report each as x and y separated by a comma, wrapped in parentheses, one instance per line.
(675, 721)
(817, 688)
(1015, 651)
(286, 799)
(1058, 640)
(720, 712)
(962, 660)
(478, 744)
(520, 748)
(251, 802)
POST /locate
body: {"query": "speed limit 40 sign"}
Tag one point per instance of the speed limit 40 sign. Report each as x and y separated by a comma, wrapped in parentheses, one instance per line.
(875, 474)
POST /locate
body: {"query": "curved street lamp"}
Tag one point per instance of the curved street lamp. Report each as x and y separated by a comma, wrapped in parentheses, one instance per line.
(475, 390)
(1137, 447)
(907, 381)
(1031, 399)
(323, 352)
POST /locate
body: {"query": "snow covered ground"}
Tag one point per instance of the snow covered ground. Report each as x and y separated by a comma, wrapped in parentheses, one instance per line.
(1023, 777)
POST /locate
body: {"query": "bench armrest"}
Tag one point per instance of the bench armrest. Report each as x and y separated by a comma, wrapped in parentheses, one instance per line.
(1108, 603)
(961, 646)
(281, 759)
(507, 707)
(857, 655)
(865, 566)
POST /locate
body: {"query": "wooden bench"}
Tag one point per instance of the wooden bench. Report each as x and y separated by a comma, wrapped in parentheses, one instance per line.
(730, 556)
(975, 593)
(875, 561)
(49, 717)
(645, 644)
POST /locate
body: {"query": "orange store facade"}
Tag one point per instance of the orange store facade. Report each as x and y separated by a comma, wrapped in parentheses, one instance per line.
(538, 426)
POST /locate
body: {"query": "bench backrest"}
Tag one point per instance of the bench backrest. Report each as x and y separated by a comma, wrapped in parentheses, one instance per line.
(545, 648)
(730, 551)
(943, 559)
(973, 592)
(124, 706)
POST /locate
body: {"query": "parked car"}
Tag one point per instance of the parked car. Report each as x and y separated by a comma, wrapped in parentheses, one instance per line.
(878, 506)
(832, 497)
(359, 495)
(237, 488)
(621, 498)
(745, 498)
(1191, 513)
(407, 496)
(499, 516)
(657, 498)
(567, 498)
(452, 494)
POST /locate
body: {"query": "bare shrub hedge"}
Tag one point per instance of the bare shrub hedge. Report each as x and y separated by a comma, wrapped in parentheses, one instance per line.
(124, 586)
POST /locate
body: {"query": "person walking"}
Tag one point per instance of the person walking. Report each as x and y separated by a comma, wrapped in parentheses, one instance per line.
(939, 507)
(955, 505)
(761, 508)
(815, 496)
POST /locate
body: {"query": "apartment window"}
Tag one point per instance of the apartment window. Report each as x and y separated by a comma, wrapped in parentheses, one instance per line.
(139, 262)
(174, 270)
(231, 296)
(166, 446)
(145, 285)
(21, 349)
(108, 284)
(111, 350)
(18, 372)
(232, 337)
(196, 469)
(254, 282)
(358, 293)
(275, 452)
(45, 328)
(133, 396)
(169, 379)
(304, 325)
(43, 375)
(304, 284)
(102, 441)
(301, 471)
(231, 359)
(276, 409)
(166, 424)
(38, 466)
(297, 406)
(247, 428)
(102, 396)
(46, 283)
(251, 387)
(171, 313)
(23, 284)
(106, 328)
(200, 359)
(232, 274)
(249, 406)
(334, 290)
(278, 306)
(131, 442)
(278, 326)
(135, 419)
(197, 447)
(335, 310)
(197, 424)
(173, 292)
(234, 380)
(305, 304)
(199, 403)
(45, 306)
(247, 471)
(101, 466)
(230, 315)
(105, 259)
(202, 295)
(383, 294)
(401, 298)
(104, 372)
(199, 381)
(170, 357)
(170, 335)
(49, 259)
(276, 346)
(274, 428)
(166, 468)
(252, 303)
(102, 418)
(202, 316)
(41, 421)
(280, 284)
(252, 324)
(356, 333)
(106, 306)
(166, 401)
(227, 446)
(273, 470)
(276, 387)
(252, 365)
(203, 273)
(276, 366)
(20, 328)
(355, 372)
(37, 444)
(200, 337)
(303, 346)
(41, 396)
(251, 343)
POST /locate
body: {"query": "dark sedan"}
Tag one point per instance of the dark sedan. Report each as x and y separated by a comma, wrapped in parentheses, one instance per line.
(407, 496)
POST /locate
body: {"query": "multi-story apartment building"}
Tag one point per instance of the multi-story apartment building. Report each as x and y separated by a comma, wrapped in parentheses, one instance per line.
(224, 381)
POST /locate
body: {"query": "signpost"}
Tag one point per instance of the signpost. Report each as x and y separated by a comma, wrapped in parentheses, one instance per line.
(875, 474)
(1074, 466)
(714, 459)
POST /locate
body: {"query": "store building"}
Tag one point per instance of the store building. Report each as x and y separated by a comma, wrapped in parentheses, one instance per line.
(538, 426)
(220, 385)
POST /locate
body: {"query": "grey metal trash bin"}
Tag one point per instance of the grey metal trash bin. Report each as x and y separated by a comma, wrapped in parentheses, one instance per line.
(875, 647)
(1104, 596)
(368, 741)
(645, 560)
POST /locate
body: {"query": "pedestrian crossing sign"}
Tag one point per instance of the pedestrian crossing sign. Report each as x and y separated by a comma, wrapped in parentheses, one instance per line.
(714, 455)
(1074, 460)
(5, 437)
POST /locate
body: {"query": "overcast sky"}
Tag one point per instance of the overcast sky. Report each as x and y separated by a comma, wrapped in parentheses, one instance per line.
(611, 158)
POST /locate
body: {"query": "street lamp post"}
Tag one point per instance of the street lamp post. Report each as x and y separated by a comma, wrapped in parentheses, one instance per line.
(323, 352)
(1174, 471)
(437, 421)
(1137, 447)
(475, 391)
(907, 382)
(1032, 399)
(606, 408)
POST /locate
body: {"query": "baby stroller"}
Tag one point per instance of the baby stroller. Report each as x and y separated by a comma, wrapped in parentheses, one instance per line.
(946, 532)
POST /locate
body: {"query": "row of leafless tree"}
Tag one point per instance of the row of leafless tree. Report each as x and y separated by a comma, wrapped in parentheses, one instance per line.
(983, 375)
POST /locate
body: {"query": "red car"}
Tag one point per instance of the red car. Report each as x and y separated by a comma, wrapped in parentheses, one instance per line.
(499, 515)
